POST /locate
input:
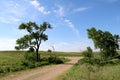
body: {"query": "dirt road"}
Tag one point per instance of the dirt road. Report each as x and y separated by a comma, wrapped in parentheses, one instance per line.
(45, 73)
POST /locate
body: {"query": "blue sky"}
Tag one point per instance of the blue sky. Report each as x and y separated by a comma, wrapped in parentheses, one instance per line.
(69, 19)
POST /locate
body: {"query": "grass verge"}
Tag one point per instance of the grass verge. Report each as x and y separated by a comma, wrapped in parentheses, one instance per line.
(82, 72)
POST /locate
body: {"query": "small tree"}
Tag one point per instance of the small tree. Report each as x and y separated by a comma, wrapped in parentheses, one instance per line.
(49, 51)
(34, 38)
(88, 53)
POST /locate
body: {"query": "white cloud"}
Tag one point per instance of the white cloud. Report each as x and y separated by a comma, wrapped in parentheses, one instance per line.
(40, 8)
(9, 19)
(12, 12)
(62, 46)
(60, 11)
(80, 9)
(7, 44)
(70, 24)
(71, 46)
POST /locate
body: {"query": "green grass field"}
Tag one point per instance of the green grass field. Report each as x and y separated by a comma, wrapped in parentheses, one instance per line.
(10, 58)
(14, 57)
(81, 72)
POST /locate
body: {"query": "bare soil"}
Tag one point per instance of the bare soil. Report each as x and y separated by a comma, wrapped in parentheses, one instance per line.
(45, 73)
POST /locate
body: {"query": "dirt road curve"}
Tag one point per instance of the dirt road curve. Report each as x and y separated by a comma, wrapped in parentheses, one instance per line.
(45, 73)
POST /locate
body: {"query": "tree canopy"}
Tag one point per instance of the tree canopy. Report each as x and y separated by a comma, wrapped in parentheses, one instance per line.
(34, 38)
(105, 41)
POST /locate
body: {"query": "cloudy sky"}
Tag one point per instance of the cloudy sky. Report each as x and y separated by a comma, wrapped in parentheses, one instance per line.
(69, 19)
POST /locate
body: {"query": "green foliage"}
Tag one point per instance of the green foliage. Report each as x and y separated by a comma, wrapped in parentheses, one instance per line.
(55, 60)
(11, 68)
(30, 56)
(88, 53)
(85, 53)
(117, 56)
(49, 50)
(34, 37)
(11, 61)
(93, 61)
(30, 60)
(107, 42)
(80, 72)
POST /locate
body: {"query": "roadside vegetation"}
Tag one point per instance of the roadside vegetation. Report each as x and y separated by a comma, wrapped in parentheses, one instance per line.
(32, 57)
(103, 65)
(82, 72)
(12, 61)
(92, 70)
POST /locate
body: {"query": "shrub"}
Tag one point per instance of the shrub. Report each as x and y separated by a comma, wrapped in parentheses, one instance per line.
(49, 51)
(44, 59)
(2, 70)
(117, 56)
(29, 60)
(30, 56)
(55, 60)
(88, 53)
(16, 68)
(29, 64)
(90, 61)
(113, 61)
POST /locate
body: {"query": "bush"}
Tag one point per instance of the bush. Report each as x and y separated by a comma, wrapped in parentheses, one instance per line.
(95, 61)
(12, 68)
(90, 61)
(2, 70)
(88, 53)
(38, 64)
(29, 60)
(113, 61)
(29, 64)
(16, 68)
(117, 56)
(49, 51)
(30, 56)
(44, 59)
(55, 60)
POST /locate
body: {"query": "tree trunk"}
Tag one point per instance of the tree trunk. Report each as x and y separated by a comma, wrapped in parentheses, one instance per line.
(37, 55)
(100, 54)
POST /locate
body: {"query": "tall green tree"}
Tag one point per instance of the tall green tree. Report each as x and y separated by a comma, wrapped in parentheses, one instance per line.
(96, 37)
(34, 38)
(105, 41)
